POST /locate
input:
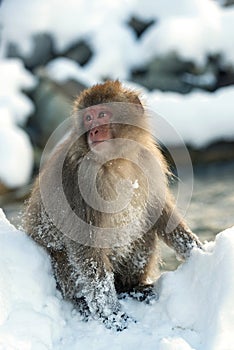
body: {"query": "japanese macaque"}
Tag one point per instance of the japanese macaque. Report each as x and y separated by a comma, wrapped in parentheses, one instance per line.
(102, 201)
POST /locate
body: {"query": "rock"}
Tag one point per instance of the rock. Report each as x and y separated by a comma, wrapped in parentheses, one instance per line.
(165, 73)
(41, 53)
(219, 151)
(215, 152)
(3, 190)
(171, 73)
(53, 102)
(80, 52)
(139, 26)
(226, 2)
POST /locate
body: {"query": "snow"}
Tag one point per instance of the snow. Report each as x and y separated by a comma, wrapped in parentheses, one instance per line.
(197, 118)
(192, 28)
(202, 29)
(14, 78)
(194, 311)
(16, 158)
(16, 155)
(62, 69)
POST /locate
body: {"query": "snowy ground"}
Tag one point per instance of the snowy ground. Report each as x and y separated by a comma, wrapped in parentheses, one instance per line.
(194, 312)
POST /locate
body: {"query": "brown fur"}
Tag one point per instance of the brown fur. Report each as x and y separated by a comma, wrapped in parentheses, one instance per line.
(91, 265)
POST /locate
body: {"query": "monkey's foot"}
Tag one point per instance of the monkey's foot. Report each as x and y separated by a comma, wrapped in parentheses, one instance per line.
(118, 321)
(144, 293)
(83, 309)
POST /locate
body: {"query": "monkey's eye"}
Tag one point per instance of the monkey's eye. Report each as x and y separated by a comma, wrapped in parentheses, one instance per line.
(88, 118)
(102, 114)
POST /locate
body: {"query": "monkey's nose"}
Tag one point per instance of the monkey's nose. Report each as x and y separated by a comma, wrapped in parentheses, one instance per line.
(94, 134)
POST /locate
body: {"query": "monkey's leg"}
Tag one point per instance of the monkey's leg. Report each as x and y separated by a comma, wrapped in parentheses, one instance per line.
(137, 276)
(95, 285)
(64, 273)
(69, 280)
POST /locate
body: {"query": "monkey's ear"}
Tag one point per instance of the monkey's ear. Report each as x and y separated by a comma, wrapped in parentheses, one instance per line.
(133, 96)
(139, 105)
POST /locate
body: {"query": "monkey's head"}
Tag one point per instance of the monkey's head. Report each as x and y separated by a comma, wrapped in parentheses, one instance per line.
(108, 111)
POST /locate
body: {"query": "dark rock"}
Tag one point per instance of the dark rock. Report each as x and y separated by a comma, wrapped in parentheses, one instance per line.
(139, 26)
(217, 151)
(80, 52)
(53, 104)
(41, 53)
(165, 73)
(3, 190)
(224, 74)
(225, 77)
(171, 73)
(226, 3)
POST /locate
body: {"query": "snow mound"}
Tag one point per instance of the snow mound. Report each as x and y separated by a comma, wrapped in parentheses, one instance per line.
(195, 116)
(15, 78)
(194, 311)
(16, 154)
(62, 69)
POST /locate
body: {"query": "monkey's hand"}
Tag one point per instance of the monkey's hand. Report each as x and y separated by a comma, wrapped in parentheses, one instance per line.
(118, 321)
(182, 240)
(185, 244)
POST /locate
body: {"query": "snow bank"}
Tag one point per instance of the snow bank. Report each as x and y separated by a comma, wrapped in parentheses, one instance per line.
(199, 117)
(62, 69)
(15, 78)
(29, 309)
(16, 155)
(194, 312)
(193, 35)
(16, 158)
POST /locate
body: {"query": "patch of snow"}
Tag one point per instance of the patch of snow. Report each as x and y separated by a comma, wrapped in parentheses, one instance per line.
(194, 311)
(62, 69)
(135, 185)
(199, 117)
(16, 155)
(15, 78)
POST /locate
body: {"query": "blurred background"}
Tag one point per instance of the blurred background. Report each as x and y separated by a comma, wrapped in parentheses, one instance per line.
(179, 54)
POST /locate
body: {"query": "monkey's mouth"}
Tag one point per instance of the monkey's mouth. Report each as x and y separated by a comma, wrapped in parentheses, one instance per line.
(95, 143)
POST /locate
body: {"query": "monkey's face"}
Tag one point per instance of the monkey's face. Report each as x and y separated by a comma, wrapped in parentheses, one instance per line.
(96, 121)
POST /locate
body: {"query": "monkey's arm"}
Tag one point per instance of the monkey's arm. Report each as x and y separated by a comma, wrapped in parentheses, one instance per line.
(176, 234)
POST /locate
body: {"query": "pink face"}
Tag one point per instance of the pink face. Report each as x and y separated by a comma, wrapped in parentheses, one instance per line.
(96, 121)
